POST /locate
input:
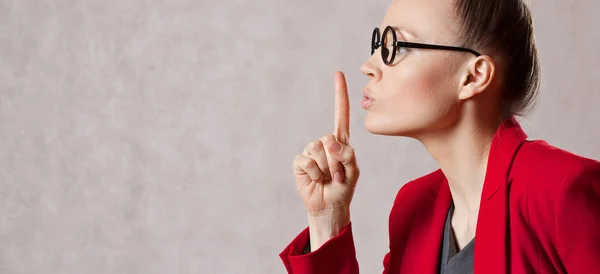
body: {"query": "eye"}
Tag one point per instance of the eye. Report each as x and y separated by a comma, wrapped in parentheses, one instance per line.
(401, 50)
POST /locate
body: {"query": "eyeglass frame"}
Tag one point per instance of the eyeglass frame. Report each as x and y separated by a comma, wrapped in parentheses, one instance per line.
(397, 44)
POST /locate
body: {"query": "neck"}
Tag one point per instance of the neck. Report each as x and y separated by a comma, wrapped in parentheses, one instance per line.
(462, 152)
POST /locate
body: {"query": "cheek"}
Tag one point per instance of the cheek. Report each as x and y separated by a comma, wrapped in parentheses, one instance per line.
(415, 97)
(422, 89)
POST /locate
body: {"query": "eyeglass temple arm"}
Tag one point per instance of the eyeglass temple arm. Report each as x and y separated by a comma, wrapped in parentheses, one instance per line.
(427, 46)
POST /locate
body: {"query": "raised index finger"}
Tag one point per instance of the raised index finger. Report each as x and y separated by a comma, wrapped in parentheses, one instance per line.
(342, 109)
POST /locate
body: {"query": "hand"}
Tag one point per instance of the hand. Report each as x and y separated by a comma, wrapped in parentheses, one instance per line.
(326, 172)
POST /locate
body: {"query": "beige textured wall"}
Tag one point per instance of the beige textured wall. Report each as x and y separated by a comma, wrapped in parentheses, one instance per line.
(148, 136)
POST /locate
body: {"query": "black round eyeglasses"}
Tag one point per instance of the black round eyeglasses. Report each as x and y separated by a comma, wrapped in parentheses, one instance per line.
(389, 45)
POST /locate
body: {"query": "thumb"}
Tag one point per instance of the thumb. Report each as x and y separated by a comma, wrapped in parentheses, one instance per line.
(347, 157)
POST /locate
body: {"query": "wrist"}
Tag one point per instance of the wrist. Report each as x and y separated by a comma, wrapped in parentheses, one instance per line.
(326, 225)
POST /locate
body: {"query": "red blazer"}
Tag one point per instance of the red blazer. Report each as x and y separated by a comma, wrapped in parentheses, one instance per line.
(539, 213)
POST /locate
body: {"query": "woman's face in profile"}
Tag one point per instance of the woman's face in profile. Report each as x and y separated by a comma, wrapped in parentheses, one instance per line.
(418, 92)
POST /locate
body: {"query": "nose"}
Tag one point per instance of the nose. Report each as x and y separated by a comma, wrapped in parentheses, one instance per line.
(370, 69)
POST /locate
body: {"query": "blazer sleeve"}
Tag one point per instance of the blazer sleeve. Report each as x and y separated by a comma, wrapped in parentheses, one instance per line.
(335, 256)
(386, 263)
(578, 219)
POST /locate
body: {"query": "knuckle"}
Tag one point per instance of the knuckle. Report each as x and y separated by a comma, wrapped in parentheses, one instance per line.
(350, 152)
(347, 152)
(308, 164)
(315, 146)
(298, 159)
(327, 138)
(297, 163)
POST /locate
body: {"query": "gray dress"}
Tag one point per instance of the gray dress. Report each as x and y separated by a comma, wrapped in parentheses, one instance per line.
(452, 260)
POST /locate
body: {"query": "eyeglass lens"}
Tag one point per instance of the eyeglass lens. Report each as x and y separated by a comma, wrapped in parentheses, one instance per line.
(386, 42)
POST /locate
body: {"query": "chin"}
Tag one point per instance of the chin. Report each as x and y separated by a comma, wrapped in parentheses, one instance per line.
(391, 127)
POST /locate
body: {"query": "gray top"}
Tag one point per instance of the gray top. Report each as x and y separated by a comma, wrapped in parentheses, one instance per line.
(454, 261)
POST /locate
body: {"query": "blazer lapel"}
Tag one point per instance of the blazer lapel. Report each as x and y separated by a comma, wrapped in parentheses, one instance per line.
(492, 236)
(432, 236)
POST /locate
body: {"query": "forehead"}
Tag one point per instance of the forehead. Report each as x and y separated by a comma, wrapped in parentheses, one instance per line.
(428, 19)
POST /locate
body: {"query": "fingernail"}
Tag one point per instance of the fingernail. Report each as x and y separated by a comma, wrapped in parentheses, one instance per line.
(337, 177)
(334, 147)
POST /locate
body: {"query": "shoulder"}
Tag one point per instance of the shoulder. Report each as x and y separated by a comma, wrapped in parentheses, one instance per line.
(541, 161)
(552, 177)
(562, 191)
(414, 201)
(420, 188)
(547, 154)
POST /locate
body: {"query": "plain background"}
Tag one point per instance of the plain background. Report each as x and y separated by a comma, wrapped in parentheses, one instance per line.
(155, 136)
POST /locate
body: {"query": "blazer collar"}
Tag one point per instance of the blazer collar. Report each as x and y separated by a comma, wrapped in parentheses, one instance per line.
(492, 231)
(505, 144)
(492, 235)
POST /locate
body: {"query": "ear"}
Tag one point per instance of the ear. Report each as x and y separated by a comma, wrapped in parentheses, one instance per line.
(478, 76)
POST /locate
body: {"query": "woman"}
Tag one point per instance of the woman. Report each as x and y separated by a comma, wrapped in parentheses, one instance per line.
(453, 74)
